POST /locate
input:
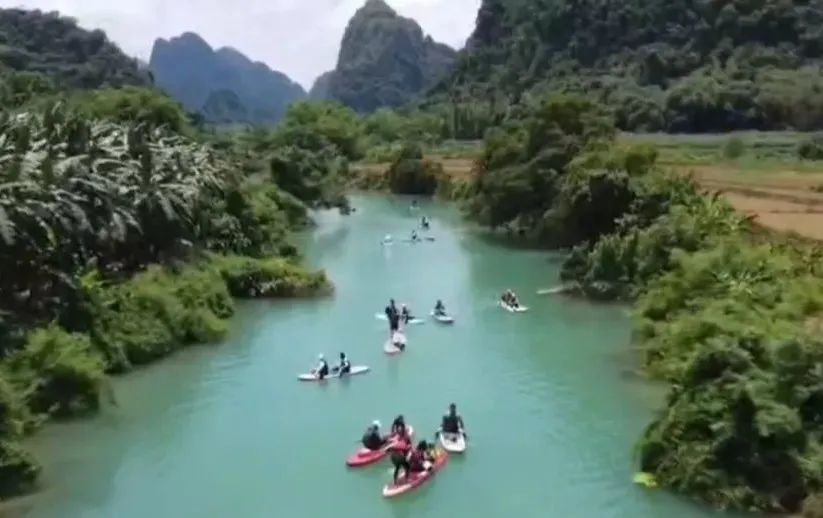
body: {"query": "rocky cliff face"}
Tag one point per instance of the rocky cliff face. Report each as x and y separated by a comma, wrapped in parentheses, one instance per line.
(202, 79)
(53, 45)
(385, 60)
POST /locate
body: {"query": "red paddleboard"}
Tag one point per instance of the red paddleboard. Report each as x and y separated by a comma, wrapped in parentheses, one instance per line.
(364, 456)
(415, 480)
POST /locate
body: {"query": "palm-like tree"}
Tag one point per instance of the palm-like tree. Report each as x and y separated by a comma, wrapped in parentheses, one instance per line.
(75, 193)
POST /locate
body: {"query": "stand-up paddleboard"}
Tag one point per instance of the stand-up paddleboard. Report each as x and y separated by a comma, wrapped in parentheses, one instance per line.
(556, 290)
(512, 309)
(414, 480)
(396, 345)
(420, 240)
(443, 319)
(414, 321)
(453, 442)
(365, 457)
(355, 370)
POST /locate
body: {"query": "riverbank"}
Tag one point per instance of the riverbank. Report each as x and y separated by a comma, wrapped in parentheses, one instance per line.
(59, 374)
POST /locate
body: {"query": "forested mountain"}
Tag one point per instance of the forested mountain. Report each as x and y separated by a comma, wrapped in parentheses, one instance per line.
(189, 70)
(385, 60)
(320, 89)
(53, 45)
(676, 65)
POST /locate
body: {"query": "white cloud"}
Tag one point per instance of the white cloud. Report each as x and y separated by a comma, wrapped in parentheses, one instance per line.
(298, 37)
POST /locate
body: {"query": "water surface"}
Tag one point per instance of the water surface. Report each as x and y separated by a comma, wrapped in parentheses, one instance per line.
(227, 431)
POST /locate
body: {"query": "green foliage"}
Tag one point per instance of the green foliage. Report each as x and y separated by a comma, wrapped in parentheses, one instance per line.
(526, 164)
(248, 278)
(733, 148)
(410, 173)
(684, 66)
(157, 312)
(315, 126)
(811, 149)
(133, 105)
(18, 469)
(59, 373)
(733, 326)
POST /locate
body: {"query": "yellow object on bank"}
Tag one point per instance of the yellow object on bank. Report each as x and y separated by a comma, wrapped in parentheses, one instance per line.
(645, 480)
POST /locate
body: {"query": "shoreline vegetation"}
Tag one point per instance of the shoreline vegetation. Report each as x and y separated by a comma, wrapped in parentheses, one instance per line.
(125, 235)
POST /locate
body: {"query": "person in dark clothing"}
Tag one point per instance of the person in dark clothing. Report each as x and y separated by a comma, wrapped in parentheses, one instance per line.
(398, 426)
(452, 422)
(322, 369)
(420, 458)
(405, 315)
(439, 309)
(372, 440)
(345, 365)
(400, 462)
(424, 222)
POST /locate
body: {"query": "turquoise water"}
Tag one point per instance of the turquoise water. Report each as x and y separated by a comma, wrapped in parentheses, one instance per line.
(228, 431)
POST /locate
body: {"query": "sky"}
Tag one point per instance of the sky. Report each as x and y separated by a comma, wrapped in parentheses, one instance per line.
(298, 37)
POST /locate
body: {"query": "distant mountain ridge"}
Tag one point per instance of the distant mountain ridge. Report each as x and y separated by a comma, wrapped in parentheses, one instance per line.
(72, 57)
(385, 60)
(203, 80)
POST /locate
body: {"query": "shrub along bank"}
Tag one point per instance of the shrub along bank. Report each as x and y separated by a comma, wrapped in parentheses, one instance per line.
(732, 322)
(124, 237)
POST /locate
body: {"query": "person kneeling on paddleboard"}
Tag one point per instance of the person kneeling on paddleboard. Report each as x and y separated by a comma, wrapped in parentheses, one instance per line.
(405, 315)
(322, 369)
(420, 458)
(372, 440)
(345, 365)
(439, 308)
(452, 422)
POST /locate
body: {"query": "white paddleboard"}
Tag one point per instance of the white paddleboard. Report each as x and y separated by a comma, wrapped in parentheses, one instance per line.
(453, 442)
(443, 319)
(391, 346)
(511, 309)
(355, 369)
(415, 321)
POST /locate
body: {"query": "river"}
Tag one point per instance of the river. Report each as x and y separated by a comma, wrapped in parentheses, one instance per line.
(227, 430)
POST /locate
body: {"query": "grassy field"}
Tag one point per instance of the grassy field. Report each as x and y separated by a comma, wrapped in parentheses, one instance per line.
(759, 173)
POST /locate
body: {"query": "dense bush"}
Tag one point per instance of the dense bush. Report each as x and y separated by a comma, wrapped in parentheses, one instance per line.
(811, 149)
(410, 173)
(527, 164)
(248, 278)
(59, 373)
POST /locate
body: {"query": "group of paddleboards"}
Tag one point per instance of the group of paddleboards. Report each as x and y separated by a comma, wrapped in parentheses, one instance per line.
(413, 464)
(414, 237)
(396, 343)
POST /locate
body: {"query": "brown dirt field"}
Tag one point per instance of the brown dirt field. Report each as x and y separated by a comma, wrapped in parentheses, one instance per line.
(783, 201)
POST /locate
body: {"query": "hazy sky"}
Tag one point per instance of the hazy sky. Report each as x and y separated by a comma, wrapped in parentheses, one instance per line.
(298, 37)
